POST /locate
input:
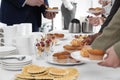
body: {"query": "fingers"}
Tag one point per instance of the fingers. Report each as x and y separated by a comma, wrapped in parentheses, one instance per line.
(111, 60)
(108, 64)
(50, 15)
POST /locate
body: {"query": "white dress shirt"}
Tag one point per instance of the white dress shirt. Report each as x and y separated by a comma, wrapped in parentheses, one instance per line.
(68, 3)
(108, 7)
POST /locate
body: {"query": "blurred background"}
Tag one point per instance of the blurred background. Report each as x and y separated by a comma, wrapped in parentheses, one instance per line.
(81, 11)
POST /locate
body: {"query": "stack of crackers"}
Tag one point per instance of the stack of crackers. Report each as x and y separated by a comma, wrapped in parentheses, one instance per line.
(34, 72)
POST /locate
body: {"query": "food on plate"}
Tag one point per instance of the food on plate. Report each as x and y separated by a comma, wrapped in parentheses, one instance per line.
(64, 57)
(91, 9)
(58, 72)
(52, 73)
(69, 47)
(84, 52)
(46, 77)
(96, 54)
(95, 10)
(55, 7)
(73, 72)
(76, 43)
(72, 60)
(79, 48)
(98, 9)
(23, 77)
(59, 35)
(32, 69)
(49, 8)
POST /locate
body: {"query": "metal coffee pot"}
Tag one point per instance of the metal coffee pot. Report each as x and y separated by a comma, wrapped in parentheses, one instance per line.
(87, 27)
(74, 26)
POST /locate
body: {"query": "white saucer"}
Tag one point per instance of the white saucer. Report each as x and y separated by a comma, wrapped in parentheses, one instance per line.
(14, 64)
(7, 49)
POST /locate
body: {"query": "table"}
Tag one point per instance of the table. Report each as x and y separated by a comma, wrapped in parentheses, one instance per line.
(88, 71)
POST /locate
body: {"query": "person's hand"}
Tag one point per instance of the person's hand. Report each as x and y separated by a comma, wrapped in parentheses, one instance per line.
(95, 21)
(50, 15)
(111, 60)
(35, 2)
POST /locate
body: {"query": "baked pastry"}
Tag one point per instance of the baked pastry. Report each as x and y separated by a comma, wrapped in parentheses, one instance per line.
(69, 48)
(91, 9)
(58, 72)
(22, 76)
(52, 73)
(84, 52)
(98, 9)
(96, 54)
(59, 35)
(56, 8)
(62, 59)
(76, 43)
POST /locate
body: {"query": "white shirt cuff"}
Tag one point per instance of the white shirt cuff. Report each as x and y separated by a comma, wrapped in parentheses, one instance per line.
(24, 3)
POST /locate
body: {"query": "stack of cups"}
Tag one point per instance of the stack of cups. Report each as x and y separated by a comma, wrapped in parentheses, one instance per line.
(23, 44)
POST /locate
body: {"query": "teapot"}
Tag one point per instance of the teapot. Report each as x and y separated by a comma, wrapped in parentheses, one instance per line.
(87, 27)
(74, 26)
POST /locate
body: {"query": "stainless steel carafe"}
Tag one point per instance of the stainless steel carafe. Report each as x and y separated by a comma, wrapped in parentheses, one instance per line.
(87, 27)
(74, 26)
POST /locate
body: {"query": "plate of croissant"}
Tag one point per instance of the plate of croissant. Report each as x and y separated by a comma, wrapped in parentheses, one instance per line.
(88, 55)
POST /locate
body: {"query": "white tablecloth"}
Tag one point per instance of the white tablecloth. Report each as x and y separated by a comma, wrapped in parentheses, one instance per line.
(88, 71)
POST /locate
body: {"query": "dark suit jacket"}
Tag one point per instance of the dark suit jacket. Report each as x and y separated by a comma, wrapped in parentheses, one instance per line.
(12, 12)
(114, 9)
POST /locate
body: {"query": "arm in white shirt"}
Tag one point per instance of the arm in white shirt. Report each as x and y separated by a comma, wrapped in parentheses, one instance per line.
(67, 4)
(24, 3)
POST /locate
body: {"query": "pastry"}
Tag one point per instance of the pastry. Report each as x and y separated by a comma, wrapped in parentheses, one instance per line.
(58, 72)
(69, 48)
(76, 43)
(98, 9)
(56, 8)
(59, 35)
(34, 69)
(91, 9)
(22, 76)
(62, 59)
(96, 54)
(84, 52)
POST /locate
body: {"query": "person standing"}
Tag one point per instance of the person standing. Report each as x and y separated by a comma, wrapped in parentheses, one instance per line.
(68, 10)
(109, 41)
(25, 11)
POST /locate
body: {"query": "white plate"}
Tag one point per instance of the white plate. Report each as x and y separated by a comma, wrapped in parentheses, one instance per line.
(50, 60)
(12, 68)
(15, 61)
(76, 55)
(7, 49)
(94, 12)
(53, 10)
(22, 64)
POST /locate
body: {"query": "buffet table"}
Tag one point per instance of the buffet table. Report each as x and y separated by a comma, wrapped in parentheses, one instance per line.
(88, 70)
